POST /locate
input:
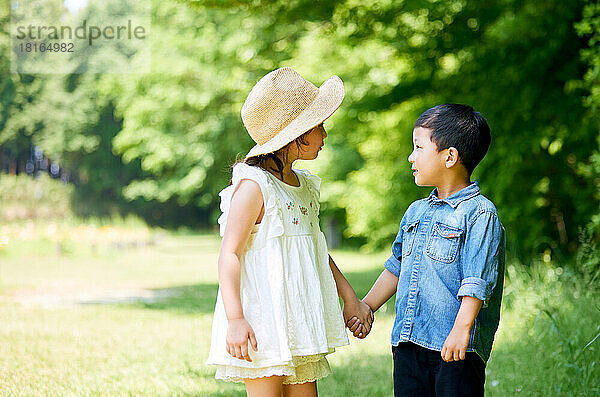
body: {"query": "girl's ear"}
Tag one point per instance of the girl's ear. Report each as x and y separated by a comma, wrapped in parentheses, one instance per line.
(452, 157)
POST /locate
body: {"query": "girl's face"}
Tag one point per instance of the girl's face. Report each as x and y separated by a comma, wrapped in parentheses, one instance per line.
(314, 139)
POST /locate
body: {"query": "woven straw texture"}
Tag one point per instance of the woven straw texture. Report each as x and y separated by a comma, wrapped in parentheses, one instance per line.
(283, 105)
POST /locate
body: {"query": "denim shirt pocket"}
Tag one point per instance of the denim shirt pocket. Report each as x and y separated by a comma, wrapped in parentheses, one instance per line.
(409, 231)
(443, 243)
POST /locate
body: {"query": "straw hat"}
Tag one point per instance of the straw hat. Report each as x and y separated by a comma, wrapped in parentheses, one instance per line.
(283, 105)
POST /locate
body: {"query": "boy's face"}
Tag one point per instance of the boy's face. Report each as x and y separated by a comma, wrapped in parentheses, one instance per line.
(427, 163)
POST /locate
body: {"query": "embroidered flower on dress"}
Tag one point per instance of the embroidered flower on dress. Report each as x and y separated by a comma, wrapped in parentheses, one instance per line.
(295, 221)
(290, 205)
(304, 210)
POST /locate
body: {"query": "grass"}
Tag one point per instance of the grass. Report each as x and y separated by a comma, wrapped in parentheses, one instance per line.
(68, 347)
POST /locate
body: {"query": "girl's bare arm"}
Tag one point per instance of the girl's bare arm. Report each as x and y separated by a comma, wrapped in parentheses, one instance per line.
(353, 307)
(246, 209)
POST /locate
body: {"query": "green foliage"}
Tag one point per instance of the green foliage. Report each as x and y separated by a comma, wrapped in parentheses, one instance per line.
(548, 341)
(15, 92)
(589, 29)
(23, 197)
(588, 255)
(164, 140)
(180, 119)
(514, 61)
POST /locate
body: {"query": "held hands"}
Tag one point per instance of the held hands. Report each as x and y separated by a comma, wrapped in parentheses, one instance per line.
(359, 318)
(455, 346)
(238, 334)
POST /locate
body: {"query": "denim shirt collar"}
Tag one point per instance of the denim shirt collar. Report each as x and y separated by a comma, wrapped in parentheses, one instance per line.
(454, 200)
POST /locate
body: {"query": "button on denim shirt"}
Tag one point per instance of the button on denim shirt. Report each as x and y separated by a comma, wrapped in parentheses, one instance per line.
(444, 250)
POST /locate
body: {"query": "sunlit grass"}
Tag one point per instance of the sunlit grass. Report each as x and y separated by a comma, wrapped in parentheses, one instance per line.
(159, 347)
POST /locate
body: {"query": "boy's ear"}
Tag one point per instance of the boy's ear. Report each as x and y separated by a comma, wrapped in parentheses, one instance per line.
(451, 157)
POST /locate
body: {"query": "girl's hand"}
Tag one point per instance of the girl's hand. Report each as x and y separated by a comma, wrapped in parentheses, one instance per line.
(455, 346)
(359, 318)
(238, 334)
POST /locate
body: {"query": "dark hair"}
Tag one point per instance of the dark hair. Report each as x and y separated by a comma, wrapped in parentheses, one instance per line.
(279, 157)
(458, 126)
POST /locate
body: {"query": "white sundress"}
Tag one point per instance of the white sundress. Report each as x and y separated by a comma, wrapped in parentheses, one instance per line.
(288, 293)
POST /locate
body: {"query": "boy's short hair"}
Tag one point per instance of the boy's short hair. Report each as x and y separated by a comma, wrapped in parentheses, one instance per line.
(458, 126)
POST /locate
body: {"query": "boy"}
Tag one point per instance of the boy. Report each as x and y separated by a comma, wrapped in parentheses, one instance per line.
(447, 263)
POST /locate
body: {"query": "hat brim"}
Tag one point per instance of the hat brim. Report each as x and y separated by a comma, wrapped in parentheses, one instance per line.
(328, 100)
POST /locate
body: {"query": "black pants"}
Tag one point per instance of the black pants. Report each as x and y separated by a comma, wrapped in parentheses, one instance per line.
(422, 372)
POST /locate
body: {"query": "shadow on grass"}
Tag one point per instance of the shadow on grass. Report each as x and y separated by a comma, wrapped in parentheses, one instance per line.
(201, 298)
(205, 375)
(360, 375)
(185, 299)
(364, 375)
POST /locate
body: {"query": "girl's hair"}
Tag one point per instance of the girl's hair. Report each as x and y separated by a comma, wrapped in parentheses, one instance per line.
(279, 157)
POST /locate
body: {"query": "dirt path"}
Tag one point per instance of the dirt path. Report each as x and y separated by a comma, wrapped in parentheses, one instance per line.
(52, 297)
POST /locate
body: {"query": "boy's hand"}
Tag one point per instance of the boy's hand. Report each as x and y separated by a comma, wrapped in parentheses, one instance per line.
(360, 315)
(238, 334)
(359, 320)
(455, 346)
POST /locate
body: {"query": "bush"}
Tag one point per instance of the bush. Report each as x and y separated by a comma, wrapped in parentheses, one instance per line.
(549, 338)
(24, 197)
(588, 254)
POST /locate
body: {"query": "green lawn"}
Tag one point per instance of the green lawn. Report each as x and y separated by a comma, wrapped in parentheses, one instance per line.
(68, 328)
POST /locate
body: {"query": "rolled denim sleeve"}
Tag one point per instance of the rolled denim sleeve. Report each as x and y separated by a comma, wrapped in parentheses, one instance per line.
(394, 261)
(480, 259)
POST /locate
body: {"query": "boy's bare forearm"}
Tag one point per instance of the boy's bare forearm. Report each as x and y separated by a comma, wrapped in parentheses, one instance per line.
(382, 290)
(344, 289)
(467, 313)
(456, 343)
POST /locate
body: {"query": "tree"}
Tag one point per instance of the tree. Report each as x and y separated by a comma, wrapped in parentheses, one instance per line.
(520, 63)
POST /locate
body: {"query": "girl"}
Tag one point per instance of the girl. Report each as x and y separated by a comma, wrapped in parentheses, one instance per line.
(277, 313)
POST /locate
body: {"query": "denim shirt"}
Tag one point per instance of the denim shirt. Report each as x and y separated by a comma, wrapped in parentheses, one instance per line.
(444, 250)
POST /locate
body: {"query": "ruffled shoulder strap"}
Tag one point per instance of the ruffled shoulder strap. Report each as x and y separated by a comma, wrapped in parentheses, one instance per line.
(243, 171)
(313, 181)
(240, 171)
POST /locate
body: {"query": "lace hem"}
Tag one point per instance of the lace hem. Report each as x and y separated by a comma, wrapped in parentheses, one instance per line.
(302, 369)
